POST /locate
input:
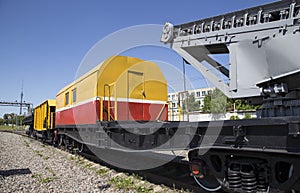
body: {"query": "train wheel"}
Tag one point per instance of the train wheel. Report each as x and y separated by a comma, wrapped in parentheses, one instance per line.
(44, 136)
(60, 141)
(30, 131)
(66, 142)
(202, 176)
(80, 147)
(72, 145)
(54, 138)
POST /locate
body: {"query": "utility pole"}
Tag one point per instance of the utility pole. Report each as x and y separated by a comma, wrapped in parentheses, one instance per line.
(21, 102)
(185, 91)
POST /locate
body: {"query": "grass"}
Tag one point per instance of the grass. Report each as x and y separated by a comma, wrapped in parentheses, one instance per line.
(6, 127)
(40, 178)
(72, 157)
(102, 171)
(87, 165)
(48, 179)
(129, 183)
(36, 176)
(79, 160)
(38, 153)
(46, 158)
(122, 183)
(51, 171)
(26, 143)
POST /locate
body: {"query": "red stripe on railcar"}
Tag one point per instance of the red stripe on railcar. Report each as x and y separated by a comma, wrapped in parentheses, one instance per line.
(89, 113)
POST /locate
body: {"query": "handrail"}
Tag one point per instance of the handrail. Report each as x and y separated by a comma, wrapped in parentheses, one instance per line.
(109, 107)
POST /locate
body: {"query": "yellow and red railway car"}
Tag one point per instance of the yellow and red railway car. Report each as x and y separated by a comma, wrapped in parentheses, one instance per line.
(44, 115)
(44, 118)
(119, 89)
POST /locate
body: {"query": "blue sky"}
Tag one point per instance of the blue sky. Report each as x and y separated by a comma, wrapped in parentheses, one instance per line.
(42, 43)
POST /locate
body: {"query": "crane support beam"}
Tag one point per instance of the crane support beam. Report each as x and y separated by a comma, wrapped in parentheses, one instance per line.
(262, 43)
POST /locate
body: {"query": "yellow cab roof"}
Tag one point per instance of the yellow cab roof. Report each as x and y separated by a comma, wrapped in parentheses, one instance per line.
(100, 67)
(50, 102)
(110, 70)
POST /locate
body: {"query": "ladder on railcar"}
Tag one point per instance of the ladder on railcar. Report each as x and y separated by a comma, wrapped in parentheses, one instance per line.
(111, 110)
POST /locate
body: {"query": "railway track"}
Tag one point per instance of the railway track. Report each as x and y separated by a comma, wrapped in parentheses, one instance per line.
(19, 132)
(174, 174)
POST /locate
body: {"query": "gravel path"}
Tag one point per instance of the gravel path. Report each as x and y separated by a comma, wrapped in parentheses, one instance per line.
(27, 165)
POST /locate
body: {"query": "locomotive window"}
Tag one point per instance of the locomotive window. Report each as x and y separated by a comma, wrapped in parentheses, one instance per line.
(67, 98)
(74, 95)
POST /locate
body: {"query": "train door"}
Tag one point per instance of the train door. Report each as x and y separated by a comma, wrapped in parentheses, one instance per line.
(135, 95)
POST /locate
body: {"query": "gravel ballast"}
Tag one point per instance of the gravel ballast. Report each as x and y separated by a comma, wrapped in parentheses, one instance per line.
(27, 165)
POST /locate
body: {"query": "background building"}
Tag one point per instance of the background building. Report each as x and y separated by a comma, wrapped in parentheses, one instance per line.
(178, 112)
(177, 101)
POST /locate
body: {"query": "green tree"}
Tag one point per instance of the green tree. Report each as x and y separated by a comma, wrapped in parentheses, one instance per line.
(215, 102)
(242, 105)
(10, 118)
(232, 117)
(247, 116)
(20, 119)
(218, 102)
(207, 103)
(6, 118)
(193, 105)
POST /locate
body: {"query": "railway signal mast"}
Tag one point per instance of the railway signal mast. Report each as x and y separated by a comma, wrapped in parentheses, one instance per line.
(20, 104)
(21, 101)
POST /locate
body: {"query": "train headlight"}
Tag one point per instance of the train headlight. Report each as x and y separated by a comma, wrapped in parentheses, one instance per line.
(197, 169)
